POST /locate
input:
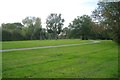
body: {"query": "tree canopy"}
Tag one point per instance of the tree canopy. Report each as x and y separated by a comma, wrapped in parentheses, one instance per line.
(81, 27)
(109, 13)
(54, 24)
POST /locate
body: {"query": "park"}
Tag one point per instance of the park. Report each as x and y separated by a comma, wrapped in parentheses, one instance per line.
(87, 47)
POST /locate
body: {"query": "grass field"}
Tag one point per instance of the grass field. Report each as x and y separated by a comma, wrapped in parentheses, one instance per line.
(86, 61)
(37, 43)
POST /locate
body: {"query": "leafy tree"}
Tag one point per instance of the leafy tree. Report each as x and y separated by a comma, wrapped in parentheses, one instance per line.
(65, 33)
(81, 27)
(37, 32)
(29, 22)
(54, 25)
(12, 26)
(12, 31)
(100, 31)
(109, 12)
(6, 35)
(34, 27)
(30, 29)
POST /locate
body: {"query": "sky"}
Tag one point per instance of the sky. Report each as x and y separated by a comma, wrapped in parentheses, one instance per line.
(16, 10)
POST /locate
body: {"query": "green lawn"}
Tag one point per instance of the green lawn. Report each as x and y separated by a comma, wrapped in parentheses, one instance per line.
(37, 43)
(86, 61)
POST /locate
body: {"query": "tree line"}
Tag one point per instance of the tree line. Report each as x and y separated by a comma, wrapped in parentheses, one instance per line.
(102, 24)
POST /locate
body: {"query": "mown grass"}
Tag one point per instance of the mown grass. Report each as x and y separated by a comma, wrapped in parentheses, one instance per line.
(37, 43)
(86, 61)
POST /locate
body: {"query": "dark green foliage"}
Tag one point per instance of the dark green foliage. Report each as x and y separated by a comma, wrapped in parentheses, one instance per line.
(12, 31)
(81, 27)
(6, 35)
(109, 12)
(16, 35)
(54, 25)
(34, 27)
(30, 29)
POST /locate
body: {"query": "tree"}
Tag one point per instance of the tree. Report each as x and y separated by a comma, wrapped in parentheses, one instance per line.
(30, 29)
(34, 27)
(29, 22)
(65, 33)
(81, 27)
(6, 35)
(12, 31)
(54, 25)
(100, 31)
(37, 32)
(109, 12)
(12, 26)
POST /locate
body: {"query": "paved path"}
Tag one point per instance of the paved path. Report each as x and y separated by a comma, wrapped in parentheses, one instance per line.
(20, 49)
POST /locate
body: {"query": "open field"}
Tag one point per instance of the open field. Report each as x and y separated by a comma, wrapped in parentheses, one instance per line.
(85, 61)
(38, 43)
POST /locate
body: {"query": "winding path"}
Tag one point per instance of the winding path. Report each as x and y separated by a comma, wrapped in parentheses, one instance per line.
(20, 49)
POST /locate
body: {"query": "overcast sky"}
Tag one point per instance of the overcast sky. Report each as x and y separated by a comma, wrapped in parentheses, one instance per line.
(16, 10)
